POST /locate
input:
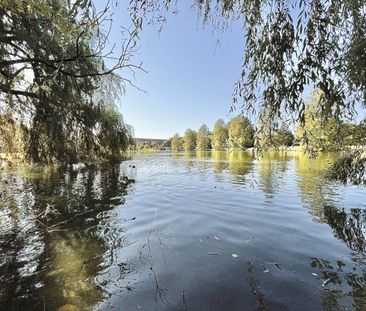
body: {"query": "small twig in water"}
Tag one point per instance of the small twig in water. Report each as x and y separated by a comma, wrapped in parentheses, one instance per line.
(214, 253)
(184, 297)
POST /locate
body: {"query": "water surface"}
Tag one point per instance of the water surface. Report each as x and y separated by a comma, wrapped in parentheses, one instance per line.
(199, 231)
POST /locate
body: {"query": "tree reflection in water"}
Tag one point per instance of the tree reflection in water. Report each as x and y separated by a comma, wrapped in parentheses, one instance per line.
(341, 281)
(58, 232)
(220, 163)
(315, 191)
(61, 230)
(240, 165)
(347, 225)
(272, 167)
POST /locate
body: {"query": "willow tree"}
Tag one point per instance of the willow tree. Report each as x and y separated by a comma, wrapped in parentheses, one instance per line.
(54, 75)
(358, 134)
(287, 46)
(283, 136)
(320, 133)
(272, 132)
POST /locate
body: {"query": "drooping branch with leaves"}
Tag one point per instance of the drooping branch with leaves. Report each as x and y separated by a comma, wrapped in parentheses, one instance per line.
(288, 46)
(60, 77)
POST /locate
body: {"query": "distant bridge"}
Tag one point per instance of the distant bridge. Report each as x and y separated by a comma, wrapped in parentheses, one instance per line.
(150, 141)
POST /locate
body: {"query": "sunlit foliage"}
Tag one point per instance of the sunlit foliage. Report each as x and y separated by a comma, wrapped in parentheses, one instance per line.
(220, 136)
(11, 135)
(272, 132)
(176, 144)
(241, 133)
(355, 134)
(203, 138)
(350, 167)
(190, 140)
(319, 133)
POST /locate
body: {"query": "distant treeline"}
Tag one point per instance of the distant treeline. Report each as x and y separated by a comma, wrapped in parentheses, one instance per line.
(318, 132)
(149, 144)
(237, 134)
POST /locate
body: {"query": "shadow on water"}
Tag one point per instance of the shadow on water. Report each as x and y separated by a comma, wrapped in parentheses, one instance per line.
(57, 233)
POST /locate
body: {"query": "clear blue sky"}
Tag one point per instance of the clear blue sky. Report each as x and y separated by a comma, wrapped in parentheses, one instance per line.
(190, 77)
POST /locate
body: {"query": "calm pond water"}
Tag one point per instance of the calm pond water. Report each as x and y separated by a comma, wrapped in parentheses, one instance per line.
(202, 231)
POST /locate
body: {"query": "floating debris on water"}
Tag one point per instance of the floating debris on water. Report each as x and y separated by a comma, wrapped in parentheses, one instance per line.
(326, 282)
(273, 264)
(214, 253)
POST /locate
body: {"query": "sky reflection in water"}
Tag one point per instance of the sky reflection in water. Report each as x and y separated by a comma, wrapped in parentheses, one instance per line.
(86, 236)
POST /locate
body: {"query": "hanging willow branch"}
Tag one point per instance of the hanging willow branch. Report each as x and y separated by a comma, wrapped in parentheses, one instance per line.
(288, 46)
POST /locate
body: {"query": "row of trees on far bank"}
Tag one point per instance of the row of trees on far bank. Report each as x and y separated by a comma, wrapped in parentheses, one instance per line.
(237, 134)
(319, 132)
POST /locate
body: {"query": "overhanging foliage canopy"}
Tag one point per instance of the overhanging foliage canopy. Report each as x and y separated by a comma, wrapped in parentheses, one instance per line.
(288, 45)
(59, 75)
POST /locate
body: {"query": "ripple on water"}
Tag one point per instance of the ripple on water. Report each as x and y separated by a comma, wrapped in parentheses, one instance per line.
(205, 231)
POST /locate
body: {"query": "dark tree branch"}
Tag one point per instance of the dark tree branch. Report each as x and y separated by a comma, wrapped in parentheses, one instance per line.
(6, 90)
